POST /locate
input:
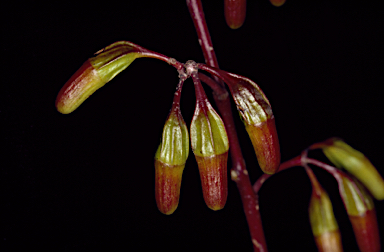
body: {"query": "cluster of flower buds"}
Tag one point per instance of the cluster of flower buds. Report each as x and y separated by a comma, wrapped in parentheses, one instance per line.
(357, 201)
(209, 139)
(257, 116)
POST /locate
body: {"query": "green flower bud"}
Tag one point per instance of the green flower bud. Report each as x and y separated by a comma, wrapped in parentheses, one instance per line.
(323, 222)
(210, 145)
(344, 156)
(361, 212)
(94, 74)
(256, 113)
(170, 161)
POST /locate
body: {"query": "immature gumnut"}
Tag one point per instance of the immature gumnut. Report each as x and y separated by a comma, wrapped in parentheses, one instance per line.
(362, 214)
(344, 156)
(235, 11)
(170, 160)
(277, 3)
(323, 222)
(95, 73)
(256, 113)
(210, 145)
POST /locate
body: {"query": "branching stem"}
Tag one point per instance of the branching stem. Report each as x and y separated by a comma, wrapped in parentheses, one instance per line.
(239, 173)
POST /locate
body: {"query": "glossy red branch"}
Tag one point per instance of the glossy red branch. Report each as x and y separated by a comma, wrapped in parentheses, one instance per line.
(197, 14)
(285, 165)
(239, 174)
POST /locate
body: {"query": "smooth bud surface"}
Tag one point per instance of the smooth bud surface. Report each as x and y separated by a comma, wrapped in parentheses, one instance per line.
(170, 161)
(94, 74)
(361, 212)
(323, 223)
(277, 3)
(235, 12)
(344, 156)
(329, 242)
(321, 214)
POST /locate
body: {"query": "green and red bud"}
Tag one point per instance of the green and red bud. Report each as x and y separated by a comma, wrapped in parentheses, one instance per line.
(323, 223)
(234, 12)
(95, 73)
(210, 146)
(344, 156)
(170, 161)
(256, 113)
(362, 214)
(277, 3)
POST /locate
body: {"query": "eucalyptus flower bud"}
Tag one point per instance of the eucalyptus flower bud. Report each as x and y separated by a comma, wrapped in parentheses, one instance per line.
(256, 113)
(277, 3)
(170, 161)
(362, 214)
(344, 156)
(234, 12)
(210, 146)
(95, 73)
(323, 222)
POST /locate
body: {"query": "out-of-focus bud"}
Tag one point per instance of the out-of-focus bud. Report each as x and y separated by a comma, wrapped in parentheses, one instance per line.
(344, 156)
(170, 161)
(361, 212)
(210, 145)
(94, 74)
(256, 113)
(235, 11)
(323, 222)
(277, 3)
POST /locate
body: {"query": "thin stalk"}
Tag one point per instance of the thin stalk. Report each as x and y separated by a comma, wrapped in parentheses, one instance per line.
(239, 173)
(285, 165)
(197, 14)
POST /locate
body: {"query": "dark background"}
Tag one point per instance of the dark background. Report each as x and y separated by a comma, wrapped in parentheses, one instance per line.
(86, 180)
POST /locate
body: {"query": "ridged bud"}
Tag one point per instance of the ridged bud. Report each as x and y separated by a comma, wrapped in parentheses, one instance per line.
(256, 113)
(361, 212)
(344, 156)
(95, 73)
(170, 161)
(210, 146)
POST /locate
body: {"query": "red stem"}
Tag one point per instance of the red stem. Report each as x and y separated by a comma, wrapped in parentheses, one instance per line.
(238, 173)
(197, 14)
(285, 165)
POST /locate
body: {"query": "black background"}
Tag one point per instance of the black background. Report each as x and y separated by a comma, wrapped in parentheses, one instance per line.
(86, 180)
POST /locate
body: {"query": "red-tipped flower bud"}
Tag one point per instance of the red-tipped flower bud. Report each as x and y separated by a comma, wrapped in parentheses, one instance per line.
(210, 145)
(344, 156)
(235, 11)
(94, 74)
(361, 212)
(256, 113)
(170, 160)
